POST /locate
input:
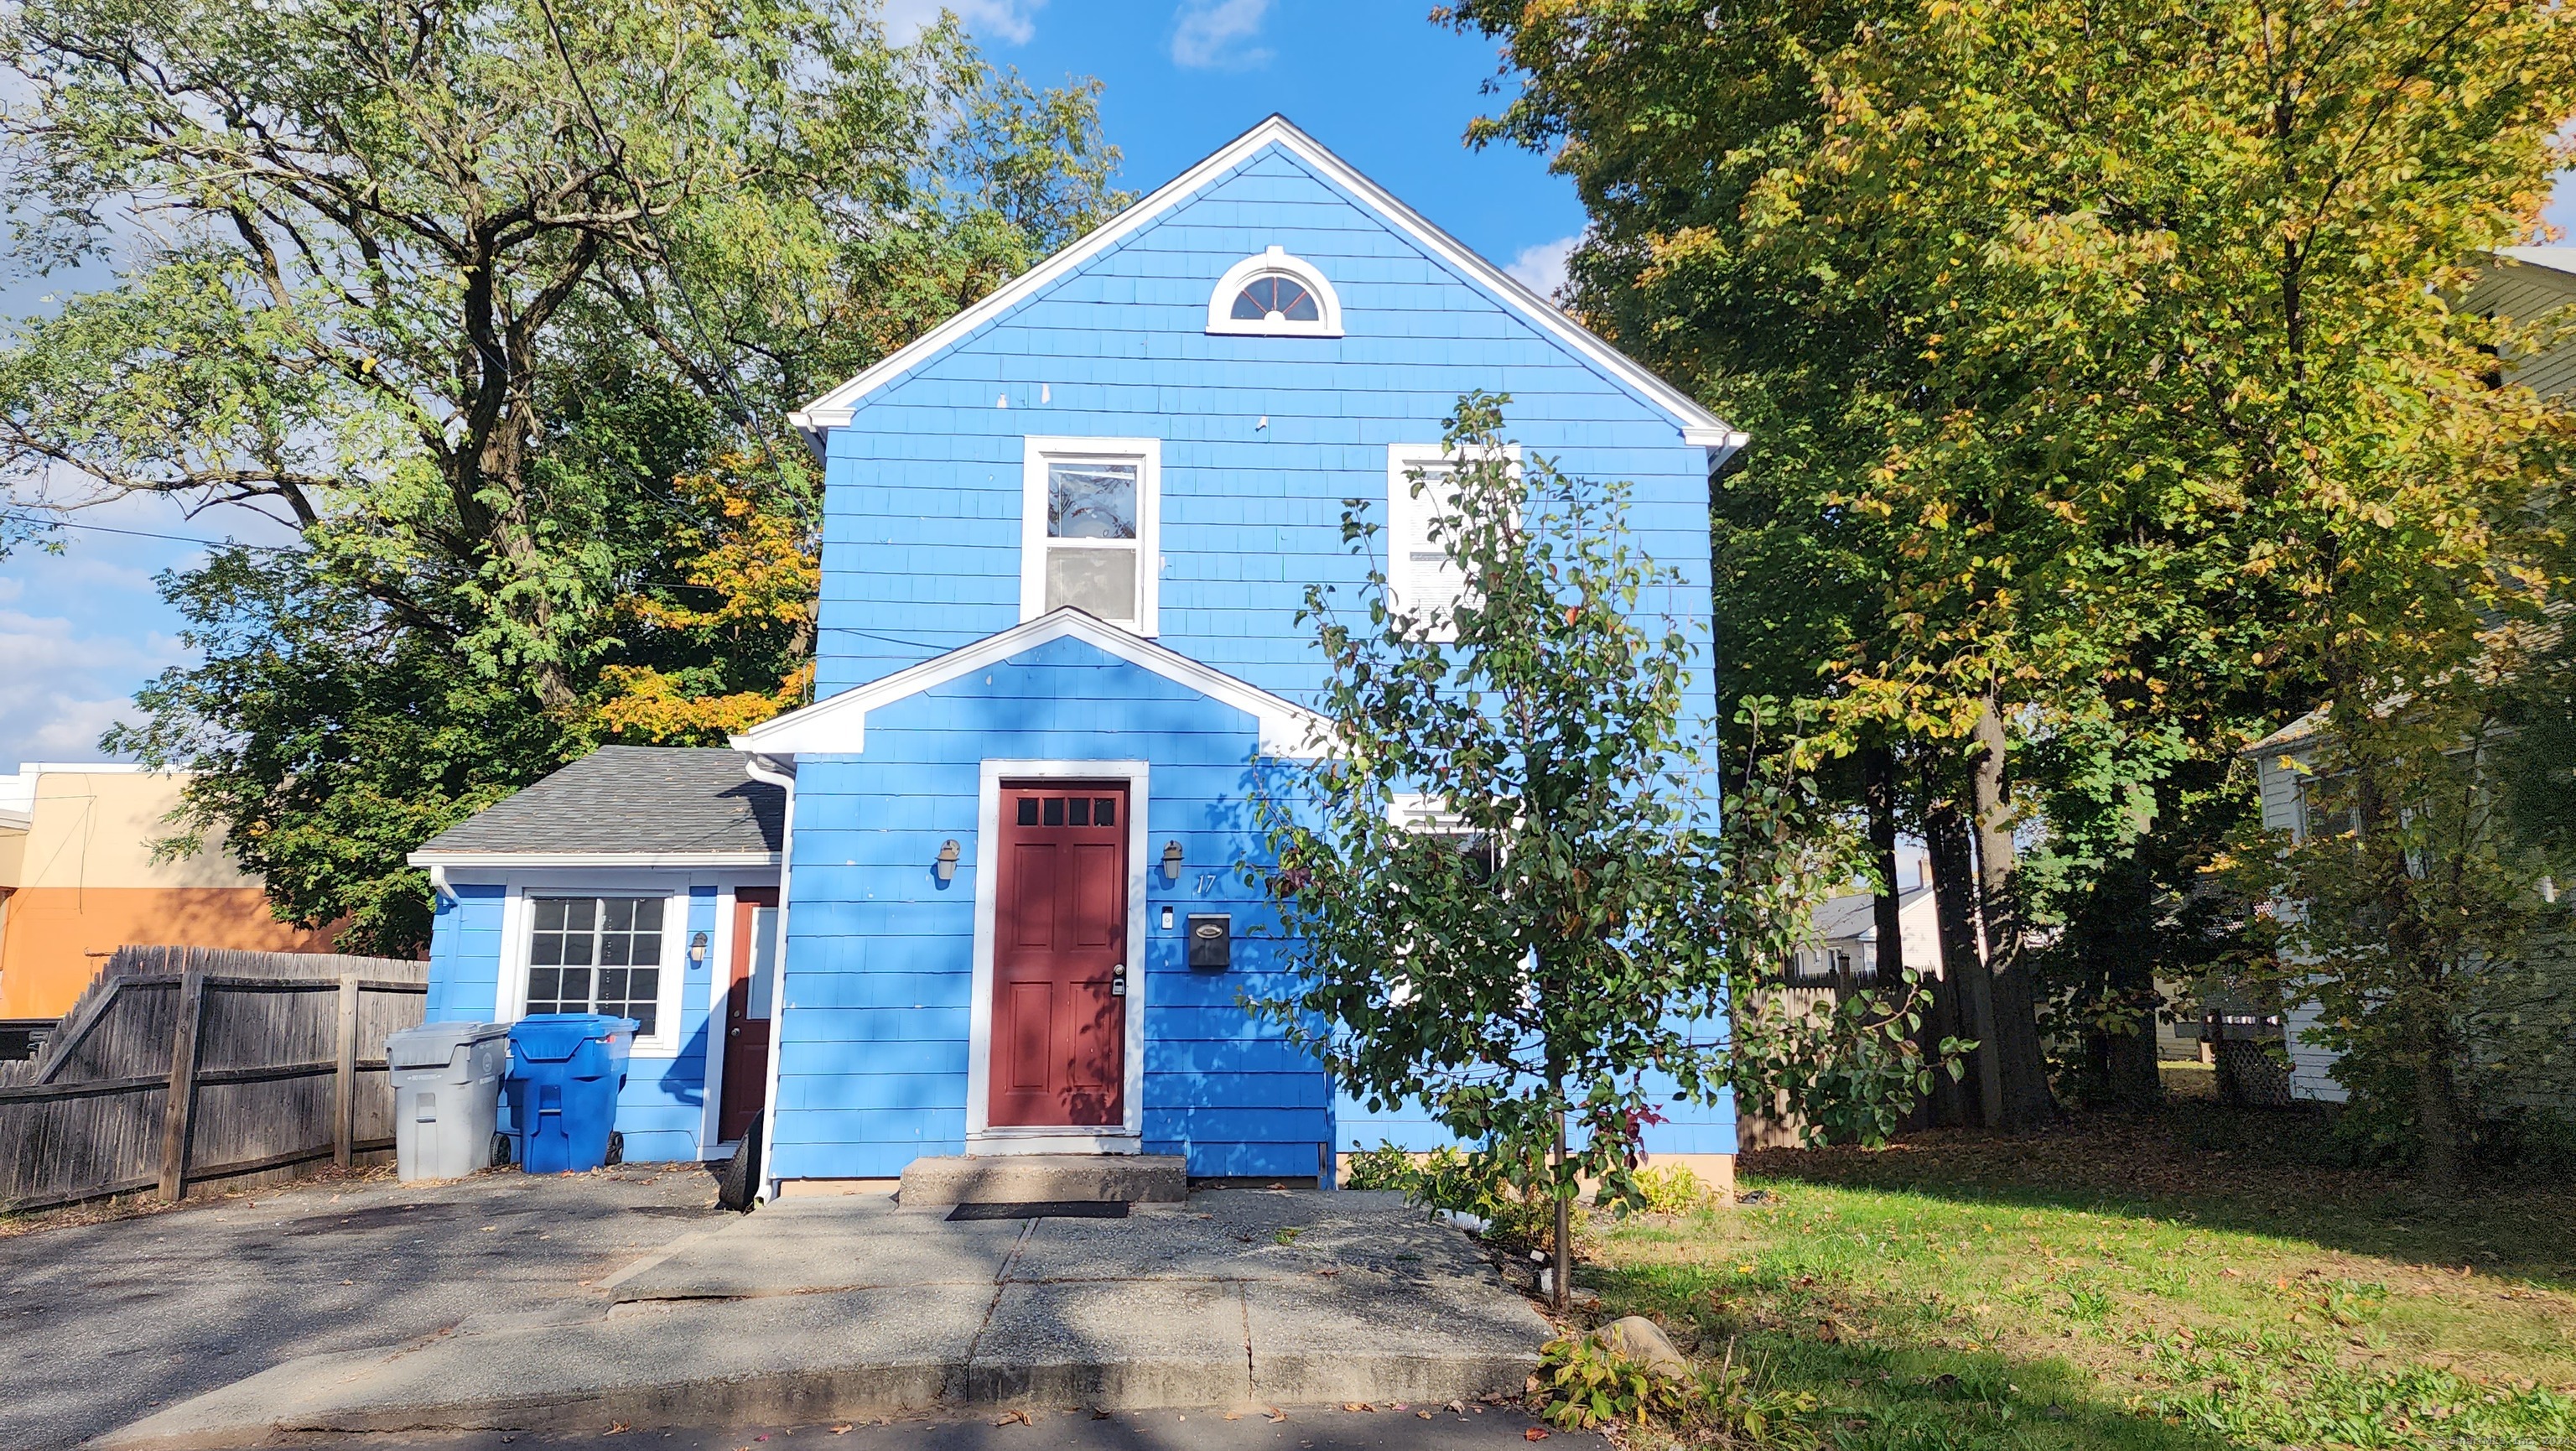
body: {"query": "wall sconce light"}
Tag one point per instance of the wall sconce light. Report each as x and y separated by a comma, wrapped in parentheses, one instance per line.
(947, 868)
(1171, 861)
(697, 947)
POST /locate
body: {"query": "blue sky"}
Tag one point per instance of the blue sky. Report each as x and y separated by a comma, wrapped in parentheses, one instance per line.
(1373, 79)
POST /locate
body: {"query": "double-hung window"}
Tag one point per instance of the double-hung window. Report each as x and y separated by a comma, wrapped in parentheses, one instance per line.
(1091, 524)
(1423, 577)
(597, 955)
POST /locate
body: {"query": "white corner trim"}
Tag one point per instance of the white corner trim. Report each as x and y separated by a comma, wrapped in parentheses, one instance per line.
(981, 1136)
(642, 860)
(781, 774)
(1328, 303)
(719, 985)
(838, 726)
(1039, 450)
(834, 409)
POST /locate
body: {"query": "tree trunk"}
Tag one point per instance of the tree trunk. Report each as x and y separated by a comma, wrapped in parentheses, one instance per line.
(2022, 1066)
(1878, 790)
(1560, 1294)
(2127, 1061)
(1970, 1003)
(1878, 785)
(2437, 1122)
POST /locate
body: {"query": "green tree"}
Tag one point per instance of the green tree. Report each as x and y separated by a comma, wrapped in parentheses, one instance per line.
(1521, 952)
(464, 292)
(2114, 342)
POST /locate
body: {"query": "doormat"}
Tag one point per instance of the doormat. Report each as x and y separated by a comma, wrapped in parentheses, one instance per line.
(1045, 1209)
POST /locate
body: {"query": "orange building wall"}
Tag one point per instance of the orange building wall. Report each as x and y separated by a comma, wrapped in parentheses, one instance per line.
(53, 940)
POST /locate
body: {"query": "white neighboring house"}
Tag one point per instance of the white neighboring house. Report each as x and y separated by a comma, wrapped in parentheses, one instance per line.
(1846, 939)
(2523, 283)
(2280, 761)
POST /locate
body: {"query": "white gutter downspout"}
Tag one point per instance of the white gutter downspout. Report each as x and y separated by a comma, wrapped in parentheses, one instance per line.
(781, 773)
(438, 882)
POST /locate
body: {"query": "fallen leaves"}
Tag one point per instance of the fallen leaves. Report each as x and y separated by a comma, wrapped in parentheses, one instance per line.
(1019, 1418)
(842, 1429)
(1533, 1434)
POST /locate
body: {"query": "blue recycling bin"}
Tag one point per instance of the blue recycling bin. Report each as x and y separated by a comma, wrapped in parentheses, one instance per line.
(565, 1071)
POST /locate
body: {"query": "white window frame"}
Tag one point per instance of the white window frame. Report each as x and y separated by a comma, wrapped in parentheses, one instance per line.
(1036, 453)
(1402, 507)
(1328, 303)
(981, 1136)
(519, 934)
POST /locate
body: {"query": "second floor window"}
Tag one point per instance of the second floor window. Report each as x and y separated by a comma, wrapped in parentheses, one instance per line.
(1089, 533)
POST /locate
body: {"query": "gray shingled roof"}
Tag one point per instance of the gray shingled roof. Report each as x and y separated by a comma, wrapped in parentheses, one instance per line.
(1851, 916)
(644, 800)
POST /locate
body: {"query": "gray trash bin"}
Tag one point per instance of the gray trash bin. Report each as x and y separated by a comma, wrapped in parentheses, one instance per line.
(447, 1090)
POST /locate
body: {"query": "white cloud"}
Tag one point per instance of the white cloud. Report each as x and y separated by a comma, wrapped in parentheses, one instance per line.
(81, 677)
(1011, 22)
(1211, 35)
(1541, 269)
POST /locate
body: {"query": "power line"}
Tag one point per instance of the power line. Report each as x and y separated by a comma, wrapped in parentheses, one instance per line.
(145, 533)
(661, 249)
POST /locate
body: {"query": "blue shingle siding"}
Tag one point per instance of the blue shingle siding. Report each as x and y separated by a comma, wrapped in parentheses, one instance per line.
(1262, 439)
(873, 1050)
(922, 512)
(465, 956)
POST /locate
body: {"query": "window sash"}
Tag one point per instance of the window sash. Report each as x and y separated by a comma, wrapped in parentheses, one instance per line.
(597, 954)
(1112, 579)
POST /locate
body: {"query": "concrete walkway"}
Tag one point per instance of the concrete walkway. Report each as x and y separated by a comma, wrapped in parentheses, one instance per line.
(835, 1308)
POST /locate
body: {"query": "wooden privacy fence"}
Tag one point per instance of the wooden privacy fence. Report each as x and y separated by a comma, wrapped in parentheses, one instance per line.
(183, 1064)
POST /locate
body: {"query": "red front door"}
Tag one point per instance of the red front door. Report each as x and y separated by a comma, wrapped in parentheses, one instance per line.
(1059, 956)
(754, 971)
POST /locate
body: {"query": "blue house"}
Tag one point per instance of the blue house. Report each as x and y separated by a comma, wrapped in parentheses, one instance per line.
(983, 896)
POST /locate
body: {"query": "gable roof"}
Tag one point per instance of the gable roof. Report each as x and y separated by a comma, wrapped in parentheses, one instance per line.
(630, 805)
(1697, 424)
(1856, 915)
(839, 725)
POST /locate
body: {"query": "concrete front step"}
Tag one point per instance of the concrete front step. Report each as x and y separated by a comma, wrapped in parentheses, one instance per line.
(1045, 1178)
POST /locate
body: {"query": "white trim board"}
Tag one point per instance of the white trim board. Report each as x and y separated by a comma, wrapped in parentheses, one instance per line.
(1697, 424)
(981, 1136)
(761, 768)
(838, 726)
(711, 1066)
(607, 860)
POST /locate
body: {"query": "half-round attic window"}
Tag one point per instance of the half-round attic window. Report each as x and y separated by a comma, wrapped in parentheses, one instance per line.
(1277, 295)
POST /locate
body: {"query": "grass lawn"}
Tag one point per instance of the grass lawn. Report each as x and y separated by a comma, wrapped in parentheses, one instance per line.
(2178, 1281)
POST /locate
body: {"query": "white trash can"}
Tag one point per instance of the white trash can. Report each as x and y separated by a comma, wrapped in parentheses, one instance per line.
(447, 1095)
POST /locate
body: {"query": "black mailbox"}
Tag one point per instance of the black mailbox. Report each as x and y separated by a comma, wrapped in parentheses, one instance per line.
(1211, 941)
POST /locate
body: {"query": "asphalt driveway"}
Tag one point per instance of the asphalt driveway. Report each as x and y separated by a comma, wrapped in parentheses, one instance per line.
(101, 1324)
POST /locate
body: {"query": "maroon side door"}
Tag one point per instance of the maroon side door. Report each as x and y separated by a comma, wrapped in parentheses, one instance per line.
(746, 1051)
(1059, 951)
